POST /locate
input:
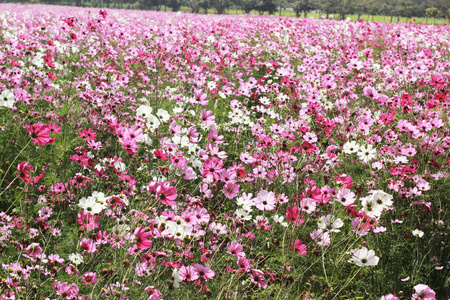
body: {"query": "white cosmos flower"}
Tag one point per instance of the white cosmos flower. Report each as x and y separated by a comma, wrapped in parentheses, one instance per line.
(280, 219)
(243, 214)
(90, 205)
(382, 198)
(350, 147)
(120, 166)
(7, 99)
(99, 198)
(417, 232)
(371, 208)
(363, 257)
(163, 115)
(330, 222)
(153, 122)
(177, 278)
(179, 231)
(120, 229)
(144, 111)
(367, 153)
(76, 258)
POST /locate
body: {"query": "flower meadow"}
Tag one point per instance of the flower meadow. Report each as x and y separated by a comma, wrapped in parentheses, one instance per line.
(149, 155)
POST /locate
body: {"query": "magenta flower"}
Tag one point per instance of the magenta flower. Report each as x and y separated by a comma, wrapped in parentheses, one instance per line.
(88, 245)
(39, 133)
(244, 265)
(90, 278)
(24, 169)
(142, 240)
(293, 215)
(70, 291)
(166, 193)
(299, 247)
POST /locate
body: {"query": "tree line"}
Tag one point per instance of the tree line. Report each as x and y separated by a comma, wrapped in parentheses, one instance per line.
(339, 8)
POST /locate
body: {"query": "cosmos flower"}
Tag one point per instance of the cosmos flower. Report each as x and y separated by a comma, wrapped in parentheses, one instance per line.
(363, 257)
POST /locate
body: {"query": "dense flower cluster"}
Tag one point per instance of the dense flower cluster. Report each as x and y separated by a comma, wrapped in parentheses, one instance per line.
(167, 154)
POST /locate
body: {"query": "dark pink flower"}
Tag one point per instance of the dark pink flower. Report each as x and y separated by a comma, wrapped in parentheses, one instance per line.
(299, 247)
(142, 240)
(90, 278)
(24, 169)
(39, 133)
(88, 245)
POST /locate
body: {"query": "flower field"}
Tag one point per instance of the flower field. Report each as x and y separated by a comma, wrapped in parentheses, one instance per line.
(150, 155)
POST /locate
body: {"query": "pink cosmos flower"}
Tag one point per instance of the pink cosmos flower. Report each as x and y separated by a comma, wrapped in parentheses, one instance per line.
(166, 193)
(160, 155)
(153, 294)
(204, 272)
(244, 265)
(308, 205)
(188, 273)
(258, 278)
(230, 189)
(90, 278)
(200, 97)
(299, 247)
(142, 240)
(87, 134)
(88, 221)
(208, 117)
(423, 292)
(212, 167)
(163, 191)
(129, 144)
(34, 249)
(293, 215)
(266, 200)
(88, 245)
(236, 249)
(39, 133)
(24, 169)
(70, 291)
(320, 237)
(53, 127)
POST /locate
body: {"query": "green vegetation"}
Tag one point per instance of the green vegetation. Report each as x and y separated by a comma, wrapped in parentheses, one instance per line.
(418, 11)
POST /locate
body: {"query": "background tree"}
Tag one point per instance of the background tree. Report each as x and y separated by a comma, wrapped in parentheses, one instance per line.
(431, 12)
(174, 4)
(343, 7)
(303, 6)
(246, 5)
(220, 5)
(442, 5)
